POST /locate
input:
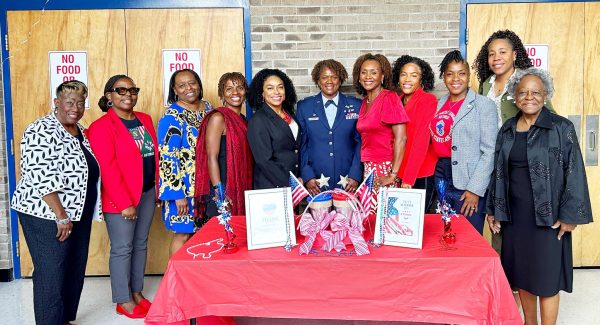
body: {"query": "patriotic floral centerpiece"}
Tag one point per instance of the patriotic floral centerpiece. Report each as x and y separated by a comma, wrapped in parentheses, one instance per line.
(447, 213)
(224, 217)
(333, 219)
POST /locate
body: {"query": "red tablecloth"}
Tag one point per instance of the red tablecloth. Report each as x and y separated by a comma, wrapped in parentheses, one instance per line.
(463, 285)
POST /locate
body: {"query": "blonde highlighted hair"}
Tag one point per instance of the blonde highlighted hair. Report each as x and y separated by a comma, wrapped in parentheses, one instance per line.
(70, 87)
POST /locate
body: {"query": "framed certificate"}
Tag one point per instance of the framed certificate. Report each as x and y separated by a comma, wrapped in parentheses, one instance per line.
(400, 217)
(270, 218)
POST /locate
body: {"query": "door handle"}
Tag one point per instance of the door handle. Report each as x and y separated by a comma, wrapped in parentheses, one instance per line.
(591, 133)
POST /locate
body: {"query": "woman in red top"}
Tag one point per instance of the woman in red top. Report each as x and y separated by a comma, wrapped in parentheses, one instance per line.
(414, 77)
(463, 132)
(381, 121)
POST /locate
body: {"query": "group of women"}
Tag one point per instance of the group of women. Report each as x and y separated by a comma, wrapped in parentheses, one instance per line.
(399, 131)
(118, 170)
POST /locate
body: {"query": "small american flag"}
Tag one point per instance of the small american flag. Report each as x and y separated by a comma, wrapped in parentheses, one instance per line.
(298, 191)
(365, 193)
(138, 136)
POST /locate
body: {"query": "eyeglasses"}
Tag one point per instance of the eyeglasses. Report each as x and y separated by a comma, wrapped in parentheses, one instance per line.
(122, 90)
(534, 93)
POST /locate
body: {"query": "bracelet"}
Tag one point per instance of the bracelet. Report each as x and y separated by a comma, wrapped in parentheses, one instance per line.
(64, 221)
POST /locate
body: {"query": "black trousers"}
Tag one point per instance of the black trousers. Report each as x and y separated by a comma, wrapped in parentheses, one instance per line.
(59, 267)
(443, 170)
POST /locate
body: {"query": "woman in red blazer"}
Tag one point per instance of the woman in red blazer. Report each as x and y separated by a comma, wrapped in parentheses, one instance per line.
(124, 142)
(414, 78)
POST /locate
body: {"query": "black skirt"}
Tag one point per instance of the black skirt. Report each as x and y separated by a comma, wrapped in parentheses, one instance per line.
(532, 257)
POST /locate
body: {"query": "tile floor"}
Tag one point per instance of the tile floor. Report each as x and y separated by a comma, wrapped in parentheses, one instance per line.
(582, 307)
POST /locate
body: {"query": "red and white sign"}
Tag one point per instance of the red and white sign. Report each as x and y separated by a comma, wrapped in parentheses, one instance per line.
(538, 54)
(177, 59)
(65, 66)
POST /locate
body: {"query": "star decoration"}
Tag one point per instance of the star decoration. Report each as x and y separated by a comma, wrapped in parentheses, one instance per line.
(323, 181)
(343, 181)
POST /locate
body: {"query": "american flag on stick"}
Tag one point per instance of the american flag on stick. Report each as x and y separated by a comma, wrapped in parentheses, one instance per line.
(365, 193)
(298, 191)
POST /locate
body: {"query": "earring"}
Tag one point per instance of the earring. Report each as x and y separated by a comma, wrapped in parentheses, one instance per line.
(109, 103)
(55, 110)
(176, 98)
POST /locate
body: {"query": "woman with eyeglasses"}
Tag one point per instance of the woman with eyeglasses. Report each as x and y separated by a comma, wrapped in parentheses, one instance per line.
(178, 134)
(537, 195)
(125, 144)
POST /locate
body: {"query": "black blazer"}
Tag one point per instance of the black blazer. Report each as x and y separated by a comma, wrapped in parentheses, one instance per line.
(557, 172)
(274, 149)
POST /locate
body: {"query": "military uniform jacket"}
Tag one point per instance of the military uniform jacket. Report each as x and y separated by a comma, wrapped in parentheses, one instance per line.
(331, 151)
(556, 169)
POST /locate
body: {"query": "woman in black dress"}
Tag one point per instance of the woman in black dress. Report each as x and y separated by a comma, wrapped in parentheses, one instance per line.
(538, 194)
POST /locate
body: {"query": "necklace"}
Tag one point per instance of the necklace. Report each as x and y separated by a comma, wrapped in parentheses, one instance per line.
(196, 109)
(452, 104)
(374, 97)
(285, 117)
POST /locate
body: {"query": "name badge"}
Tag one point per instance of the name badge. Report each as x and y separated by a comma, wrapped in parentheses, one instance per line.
(313, 118)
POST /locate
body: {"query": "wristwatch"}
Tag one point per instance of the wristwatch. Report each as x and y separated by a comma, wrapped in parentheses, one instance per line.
(64, 221)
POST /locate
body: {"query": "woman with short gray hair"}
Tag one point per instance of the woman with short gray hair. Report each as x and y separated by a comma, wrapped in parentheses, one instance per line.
(543, 75)
(538, 194)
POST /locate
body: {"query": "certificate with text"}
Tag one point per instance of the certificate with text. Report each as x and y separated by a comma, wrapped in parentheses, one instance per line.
(400, 217)
(270, 218)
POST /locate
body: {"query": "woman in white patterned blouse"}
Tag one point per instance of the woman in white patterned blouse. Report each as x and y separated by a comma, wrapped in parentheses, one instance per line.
(56, 200)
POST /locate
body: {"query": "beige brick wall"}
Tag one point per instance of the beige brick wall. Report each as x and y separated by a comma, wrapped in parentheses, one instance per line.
(293, 35)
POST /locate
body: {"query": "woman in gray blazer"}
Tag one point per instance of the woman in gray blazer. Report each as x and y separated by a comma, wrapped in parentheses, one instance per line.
(463, 132)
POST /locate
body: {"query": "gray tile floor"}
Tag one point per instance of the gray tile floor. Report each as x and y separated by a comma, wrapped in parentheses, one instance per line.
(582, 307)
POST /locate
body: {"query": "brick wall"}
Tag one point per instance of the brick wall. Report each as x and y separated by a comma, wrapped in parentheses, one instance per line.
(293, 35)
(5, 239)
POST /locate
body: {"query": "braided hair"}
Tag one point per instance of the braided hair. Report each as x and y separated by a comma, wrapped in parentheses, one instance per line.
(452, 56)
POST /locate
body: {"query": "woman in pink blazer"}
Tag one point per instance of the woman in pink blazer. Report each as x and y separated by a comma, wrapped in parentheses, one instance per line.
(124, 142)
